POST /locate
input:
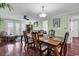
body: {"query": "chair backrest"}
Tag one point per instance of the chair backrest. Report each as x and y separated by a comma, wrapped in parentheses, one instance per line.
(51, 33)
(64, 45)
(35, 40)
(66, 37)
(34, 36)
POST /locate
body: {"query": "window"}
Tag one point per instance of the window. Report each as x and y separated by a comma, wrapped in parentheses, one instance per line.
(23, 28)
(15, 27)
(10, 28)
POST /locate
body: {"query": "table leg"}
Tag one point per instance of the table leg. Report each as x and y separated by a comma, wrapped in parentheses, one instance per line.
(56, 51)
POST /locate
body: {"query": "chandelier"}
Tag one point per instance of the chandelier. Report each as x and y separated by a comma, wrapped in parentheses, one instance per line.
(43, 14)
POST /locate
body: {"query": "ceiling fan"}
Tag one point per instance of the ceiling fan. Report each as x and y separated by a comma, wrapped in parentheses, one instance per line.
(25, 17)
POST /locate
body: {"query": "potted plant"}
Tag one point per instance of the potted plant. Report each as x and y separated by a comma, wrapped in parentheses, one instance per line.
(5, 5)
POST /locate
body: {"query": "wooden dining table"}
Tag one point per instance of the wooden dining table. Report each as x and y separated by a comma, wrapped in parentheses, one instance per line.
(52, 43)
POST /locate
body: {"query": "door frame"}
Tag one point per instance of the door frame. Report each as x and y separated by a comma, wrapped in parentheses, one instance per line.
(70, 19)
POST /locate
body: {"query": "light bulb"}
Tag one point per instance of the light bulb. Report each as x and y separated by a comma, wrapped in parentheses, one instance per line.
(43, 15)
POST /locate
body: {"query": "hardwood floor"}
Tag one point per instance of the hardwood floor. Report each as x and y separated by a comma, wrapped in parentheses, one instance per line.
(18, 49)
(15, 49)
(74, 47)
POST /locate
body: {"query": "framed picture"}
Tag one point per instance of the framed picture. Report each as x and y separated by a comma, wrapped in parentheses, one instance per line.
(35, 24)
(56, 22)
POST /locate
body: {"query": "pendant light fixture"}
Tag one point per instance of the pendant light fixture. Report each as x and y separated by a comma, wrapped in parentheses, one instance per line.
(43, 14)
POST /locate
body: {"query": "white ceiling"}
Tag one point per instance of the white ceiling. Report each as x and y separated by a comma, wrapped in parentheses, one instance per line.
(32, 10)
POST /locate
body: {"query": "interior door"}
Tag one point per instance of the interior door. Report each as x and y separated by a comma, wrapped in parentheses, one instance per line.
(74, 28)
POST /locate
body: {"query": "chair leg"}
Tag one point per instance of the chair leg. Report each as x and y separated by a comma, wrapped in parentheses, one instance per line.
(65, 51)
(40, 51)
(49, 51)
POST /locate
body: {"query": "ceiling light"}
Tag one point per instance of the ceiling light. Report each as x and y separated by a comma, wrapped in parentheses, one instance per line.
(43, 14)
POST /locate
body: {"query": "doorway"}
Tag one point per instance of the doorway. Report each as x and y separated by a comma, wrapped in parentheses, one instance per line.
(74, 28)
(45, 26)
(74, 34)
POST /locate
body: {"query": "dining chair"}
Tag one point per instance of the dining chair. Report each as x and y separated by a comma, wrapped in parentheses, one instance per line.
(37, 44)
(51, 33)
(43, 47)
(62, 47)
(63, 50)
(27, 40)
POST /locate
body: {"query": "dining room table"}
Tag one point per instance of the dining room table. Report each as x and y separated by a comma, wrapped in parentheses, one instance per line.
(52, 43)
